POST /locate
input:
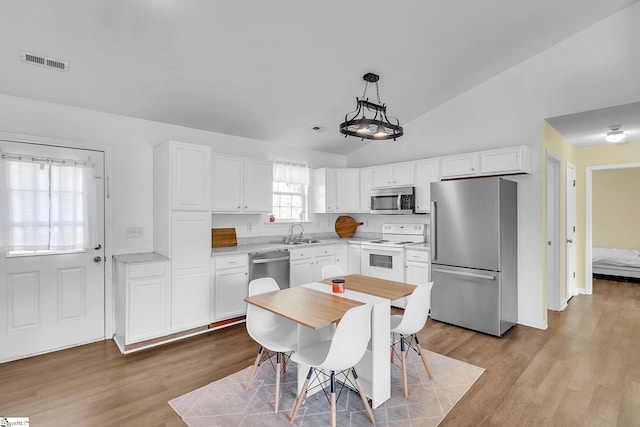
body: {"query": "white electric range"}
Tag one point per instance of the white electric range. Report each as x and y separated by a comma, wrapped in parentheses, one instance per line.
(385, 258)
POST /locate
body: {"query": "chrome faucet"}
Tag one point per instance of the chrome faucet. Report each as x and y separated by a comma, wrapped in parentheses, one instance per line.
(291, 231)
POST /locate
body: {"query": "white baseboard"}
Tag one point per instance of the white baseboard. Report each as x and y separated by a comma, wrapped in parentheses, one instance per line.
(534, 324)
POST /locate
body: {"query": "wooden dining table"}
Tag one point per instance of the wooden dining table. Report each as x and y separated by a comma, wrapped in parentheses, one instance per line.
(315, 307)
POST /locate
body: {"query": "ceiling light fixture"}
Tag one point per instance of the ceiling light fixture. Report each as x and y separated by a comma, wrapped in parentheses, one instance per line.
(615, 135)
(377, 127)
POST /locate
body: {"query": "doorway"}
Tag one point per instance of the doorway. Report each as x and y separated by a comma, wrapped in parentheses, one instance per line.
(53, 269)
(589, 218)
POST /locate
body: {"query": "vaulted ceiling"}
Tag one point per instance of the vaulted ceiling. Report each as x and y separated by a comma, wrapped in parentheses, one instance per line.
(272, 70)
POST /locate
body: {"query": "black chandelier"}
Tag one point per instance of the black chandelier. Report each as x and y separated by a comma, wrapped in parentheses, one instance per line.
(377, 127)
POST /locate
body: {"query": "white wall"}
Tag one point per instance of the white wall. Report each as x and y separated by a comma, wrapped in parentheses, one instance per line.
(595, 68)
(129, 144)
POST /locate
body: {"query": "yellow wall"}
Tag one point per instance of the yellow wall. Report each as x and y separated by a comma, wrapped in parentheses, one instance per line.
(616, 208)
(582, 158)
(557, 145)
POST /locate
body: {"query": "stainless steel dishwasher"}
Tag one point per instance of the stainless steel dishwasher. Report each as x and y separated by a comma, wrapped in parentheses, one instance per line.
(270, 264)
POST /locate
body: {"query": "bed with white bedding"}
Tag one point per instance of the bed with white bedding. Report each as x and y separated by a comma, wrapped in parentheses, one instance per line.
(616, 262)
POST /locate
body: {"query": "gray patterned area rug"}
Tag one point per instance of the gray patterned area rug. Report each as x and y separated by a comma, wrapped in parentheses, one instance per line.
(224, 402)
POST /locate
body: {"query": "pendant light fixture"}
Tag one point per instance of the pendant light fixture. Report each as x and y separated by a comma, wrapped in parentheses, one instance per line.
(378, 125)
(615, 135)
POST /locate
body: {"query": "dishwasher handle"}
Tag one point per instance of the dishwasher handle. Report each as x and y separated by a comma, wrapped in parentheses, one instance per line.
(268, 260)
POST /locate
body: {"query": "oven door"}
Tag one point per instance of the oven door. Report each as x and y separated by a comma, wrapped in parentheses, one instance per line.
(384, 262)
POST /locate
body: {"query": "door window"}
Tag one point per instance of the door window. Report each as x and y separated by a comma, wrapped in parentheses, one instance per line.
(49, 205)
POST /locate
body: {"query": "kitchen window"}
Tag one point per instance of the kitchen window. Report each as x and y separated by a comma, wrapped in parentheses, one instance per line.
(290, 192)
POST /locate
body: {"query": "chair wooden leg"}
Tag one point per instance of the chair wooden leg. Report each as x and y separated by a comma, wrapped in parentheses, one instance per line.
(332, 399)
(284, 363)
(253, 369)
(403, 355)
(424, 359)
(303, 391)
(278, 369)
(363, 396)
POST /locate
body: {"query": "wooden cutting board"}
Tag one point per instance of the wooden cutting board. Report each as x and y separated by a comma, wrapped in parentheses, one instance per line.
(221, 237)
(346, 226)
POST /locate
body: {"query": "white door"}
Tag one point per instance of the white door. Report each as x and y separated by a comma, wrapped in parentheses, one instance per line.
(571, 231)
(51, 299)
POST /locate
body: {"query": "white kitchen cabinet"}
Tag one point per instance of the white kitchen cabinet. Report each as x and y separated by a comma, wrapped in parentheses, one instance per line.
(184, 235)
(366, 184)
(258, 186)
(417, 271)
(347, 190)
(322, 255)
(427, 171)
(393, 175)
(142, 298)
(354, 258)
(230, 279)
(191, 241)
(505, 161)
(342, 257)
(417, 264)
(324, 190)
(336, 190)
(462, 165)
(241, 185)
(301, 265)
(190, 168)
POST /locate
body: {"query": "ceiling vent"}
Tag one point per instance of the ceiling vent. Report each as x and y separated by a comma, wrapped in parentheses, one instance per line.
(44, 61)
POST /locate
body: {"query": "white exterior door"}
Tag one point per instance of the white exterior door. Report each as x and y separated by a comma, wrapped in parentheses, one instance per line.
(571, 231)
(53, 299)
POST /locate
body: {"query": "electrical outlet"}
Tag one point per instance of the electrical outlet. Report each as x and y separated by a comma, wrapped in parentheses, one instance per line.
(249, 226)
(134, 232)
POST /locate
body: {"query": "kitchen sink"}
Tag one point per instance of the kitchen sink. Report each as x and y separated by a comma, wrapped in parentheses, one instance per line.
(302, 242)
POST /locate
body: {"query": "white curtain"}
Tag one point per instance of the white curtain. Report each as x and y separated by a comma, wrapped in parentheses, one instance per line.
(46, 206)
(291, 173)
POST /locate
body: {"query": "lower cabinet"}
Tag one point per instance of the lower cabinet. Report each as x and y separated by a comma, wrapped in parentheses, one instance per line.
(417, 271)
(342, 257)
(301, 264)
(142, 298)
(354, 258)
(305, 264)
(230, 279)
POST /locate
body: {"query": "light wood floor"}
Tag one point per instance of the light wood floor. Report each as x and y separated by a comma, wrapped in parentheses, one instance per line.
(584, 370)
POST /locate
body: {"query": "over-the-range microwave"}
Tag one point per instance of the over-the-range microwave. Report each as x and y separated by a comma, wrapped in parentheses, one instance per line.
(393, 201)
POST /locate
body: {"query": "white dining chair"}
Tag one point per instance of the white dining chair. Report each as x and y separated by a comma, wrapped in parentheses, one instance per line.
(339, 354)
(275, 334)
(333, 270)
(407, 326)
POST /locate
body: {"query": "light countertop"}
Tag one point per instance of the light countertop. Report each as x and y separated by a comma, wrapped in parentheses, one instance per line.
(140, 258)
(263, 247)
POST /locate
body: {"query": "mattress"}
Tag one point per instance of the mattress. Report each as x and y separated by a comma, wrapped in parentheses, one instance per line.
(616, 257)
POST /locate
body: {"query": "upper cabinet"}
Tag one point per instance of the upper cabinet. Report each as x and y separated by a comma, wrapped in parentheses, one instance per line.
(347, 190)
(427, 171)
(506, 161)
(394, 175)
(366, 184)
(241, 185)
(188, 167)
(460, 165)
(336, 190)
(503, 161)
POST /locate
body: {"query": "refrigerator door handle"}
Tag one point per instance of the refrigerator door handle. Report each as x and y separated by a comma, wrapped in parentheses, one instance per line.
(465, 273)
(434, 233)
(399, 202)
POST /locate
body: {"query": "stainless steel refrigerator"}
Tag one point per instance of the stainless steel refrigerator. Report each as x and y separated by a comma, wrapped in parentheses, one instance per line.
(474, 260)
